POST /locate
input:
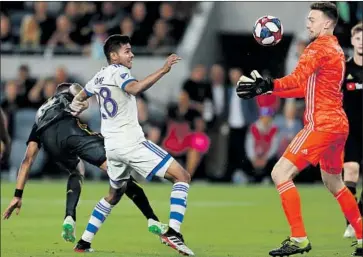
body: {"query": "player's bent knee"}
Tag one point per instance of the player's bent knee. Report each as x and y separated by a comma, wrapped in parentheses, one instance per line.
(115, 194)
(176, 173)
(351, 171)
(283, 171)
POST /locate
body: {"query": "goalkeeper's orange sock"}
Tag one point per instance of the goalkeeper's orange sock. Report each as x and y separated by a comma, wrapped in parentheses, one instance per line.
(291, 204)
(350, 209)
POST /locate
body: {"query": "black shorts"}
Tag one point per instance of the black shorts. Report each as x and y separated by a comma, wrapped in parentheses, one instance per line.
(68, 139)
(353, 147)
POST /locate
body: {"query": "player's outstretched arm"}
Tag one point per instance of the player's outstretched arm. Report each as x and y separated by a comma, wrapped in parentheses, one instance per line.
(4, 137)
(308, 64)
(136, 87)
(292, 93)
(30, 156)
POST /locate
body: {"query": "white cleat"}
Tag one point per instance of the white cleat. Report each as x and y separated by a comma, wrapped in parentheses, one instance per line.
(156, 227)
(349, 232)
(175, 240)
(69, 229)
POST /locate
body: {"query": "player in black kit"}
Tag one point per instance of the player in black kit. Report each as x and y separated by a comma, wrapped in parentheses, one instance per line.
(67, 141)
(353, 105)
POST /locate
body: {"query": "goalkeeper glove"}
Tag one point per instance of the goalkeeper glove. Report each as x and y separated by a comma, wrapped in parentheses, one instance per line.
(257, 85)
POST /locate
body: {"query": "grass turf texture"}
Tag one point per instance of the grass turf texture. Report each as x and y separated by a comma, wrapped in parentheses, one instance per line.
(220, 221)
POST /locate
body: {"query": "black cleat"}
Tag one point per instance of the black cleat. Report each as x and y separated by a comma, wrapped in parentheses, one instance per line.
(83, 247)
(358, 249)
(176, 241)
(291, 247)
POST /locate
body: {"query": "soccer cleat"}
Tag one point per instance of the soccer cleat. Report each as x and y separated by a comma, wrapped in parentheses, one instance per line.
(176, 241)
(83, 247)
(291, 247)
(349, 232)
(358, 251)
(157, 227)
(69, 229)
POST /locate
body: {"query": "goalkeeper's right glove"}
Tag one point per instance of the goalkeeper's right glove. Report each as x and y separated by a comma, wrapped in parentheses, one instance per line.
(257, 85)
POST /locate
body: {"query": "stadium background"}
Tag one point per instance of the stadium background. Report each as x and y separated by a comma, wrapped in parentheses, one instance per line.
(43, 44)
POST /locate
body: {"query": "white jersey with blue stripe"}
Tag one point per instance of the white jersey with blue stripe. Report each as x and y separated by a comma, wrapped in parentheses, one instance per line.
(119, 125)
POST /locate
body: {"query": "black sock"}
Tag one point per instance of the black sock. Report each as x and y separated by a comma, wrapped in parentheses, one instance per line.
(352, 186)
(137, 195)
(360, 203)
(74, 187)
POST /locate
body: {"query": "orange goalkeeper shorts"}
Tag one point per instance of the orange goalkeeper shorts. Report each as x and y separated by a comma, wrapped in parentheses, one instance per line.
(313, 147)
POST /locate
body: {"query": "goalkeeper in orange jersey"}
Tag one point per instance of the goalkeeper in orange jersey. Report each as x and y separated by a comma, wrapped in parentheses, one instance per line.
(318, 78)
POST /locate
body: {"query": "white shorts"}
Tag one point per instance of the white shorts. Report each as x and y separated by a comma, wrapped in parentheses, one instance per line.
(146, 159)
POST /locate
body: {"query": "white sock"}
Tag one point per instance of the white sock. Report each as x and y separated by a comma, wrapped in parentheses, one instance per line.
(178, 205)
(299, 239)
(99, 215)
(360, 241)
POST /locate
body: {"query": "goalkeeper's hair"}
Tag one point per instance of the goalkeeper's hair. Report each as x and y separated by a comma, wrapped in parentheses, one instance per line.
(357, 28)
(329, 9)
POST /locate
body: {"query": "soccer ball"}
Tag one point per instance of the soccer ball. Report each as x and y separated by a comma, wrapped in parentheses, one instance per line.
(268, 30)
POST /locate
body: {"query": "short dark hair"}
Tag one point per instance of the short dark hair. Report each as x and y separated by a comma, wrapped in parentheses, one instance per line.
(113, 43)
(329, 9)
(357, 28)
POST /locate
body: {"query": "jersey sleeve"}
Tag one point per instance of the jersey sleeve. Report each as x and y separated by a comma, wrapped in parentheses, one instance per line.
(89, 88)
(123, 76)
(291, 93)
(34, 136)
(309, 62)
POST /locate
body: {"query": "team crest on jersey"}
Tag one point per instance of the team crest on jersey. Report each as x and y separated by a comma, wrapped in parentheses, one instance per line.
(124, 75)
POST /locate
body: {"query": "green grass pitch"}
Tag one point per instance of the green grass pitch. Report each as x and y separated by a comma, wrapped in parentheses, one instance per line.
(220, 221)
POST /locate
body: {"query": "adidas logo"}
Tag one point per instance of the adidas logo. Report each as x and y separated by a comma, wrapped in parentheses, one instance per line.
(304, 151)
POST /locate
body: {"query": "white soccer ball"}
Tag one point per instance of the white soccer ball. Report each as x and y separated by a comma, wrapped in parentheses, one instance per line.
(268, 30)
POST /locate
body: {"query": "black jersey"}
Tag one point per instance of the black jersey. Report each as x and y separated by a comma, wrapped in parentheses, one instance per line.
(353, 95)
(56, 108)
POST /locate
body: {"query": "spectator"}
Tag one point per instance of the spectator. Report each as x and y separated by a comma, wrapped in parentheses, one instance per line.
(138, 14)
(63, 35)
(98, 39)
(262, 142)
(61, 75)
(111, 15)
(12, 102)
(167, 13)
(197, 89)
(35, 96)
(289, 125)
(182, 123)
(45, 22)
(7, 39)
(160, 42)
(142, 26)
(24, 80)
(71, 10)
(216, 158)
(241, 114)
(49, 88)
(127, 27)
(219, 93)
(30, 33)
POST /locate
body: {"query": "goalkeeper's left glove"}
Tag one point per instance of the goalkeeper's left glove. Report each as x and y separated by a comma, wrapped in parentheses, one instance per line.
(257, 85)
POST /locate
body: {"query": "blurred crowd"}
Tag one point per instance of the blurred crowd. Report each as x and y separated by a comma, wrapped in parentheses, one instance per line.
(215, 134)
(81, 27)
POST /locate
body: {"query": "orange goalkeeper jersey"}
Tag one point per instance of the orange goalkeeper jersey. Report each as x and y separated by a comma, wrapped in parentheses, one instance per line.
(318, 77)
